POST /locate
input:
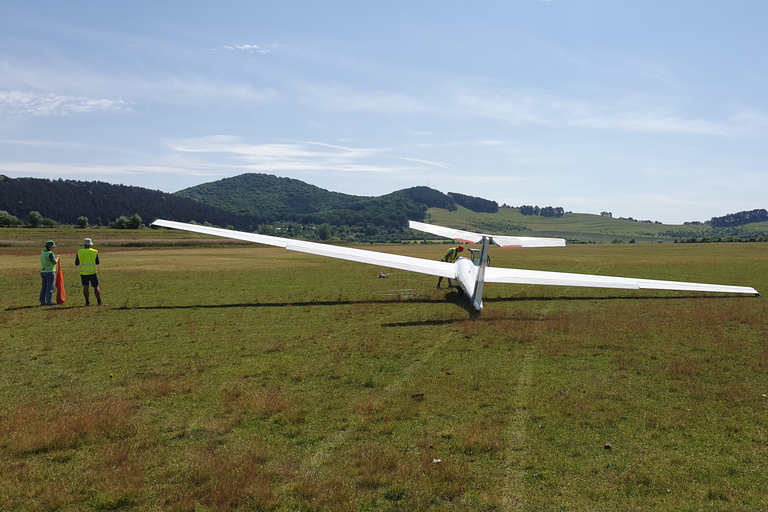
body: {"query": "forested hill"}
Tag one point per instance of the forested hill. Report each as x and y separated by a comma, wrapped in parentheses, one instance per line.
(65, 201)
(273, 199)
(267, 196)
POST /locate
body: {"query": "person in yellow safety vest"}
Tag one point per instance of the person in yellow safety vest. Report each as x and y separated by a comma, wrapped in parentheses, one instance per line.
(450, 256)
(48, 266)
(87, 258)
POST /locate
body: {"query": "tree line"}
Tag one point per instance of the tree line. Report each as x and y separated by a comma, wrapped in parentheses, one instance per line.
(547, 211)
(739, 219)
(36, 220)
(476, 204)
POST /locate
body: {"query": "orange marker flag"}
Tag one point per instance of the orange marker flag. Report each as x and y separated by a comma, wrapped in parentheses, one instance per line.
(61, 295)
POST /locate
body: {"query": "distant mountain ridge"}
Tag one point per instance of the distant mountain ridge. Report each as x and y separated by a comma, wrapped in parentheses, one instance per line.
(244, 202)
(292, 207)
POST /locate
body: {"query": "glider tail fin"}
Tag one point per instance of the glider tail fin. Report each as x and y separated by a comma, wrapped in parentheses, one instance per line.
(477, 298)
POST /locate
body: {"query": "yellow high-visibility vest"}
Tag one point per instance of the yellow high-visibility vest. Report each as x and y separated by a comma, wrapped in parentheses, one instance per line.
(451, 255)
(87, 259)
(46, 265)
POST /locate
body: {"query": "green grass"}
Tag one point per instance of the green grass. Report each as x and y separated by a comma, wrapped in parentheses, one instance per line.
(256, 378)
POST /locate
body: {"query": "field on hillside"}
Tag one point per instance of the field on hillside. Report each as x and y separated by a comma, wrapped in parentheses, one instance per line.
(69, 238)
(258, 378)
(574, 226)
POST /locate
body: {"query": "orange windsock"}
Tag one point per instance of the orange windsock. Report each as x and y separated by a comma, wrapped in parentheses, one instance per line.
(61, 295)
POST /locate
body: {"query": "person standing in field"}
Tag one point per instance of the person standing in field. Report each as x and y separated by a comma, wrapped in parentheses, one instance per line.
(88, 258)
(48, 265)
(450, 256)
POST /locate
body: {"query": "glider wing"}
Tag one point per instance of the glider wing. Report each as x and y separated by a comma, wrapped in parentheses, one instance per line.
(420, 265)
(475, 238)
(516, 276)
(439, 268)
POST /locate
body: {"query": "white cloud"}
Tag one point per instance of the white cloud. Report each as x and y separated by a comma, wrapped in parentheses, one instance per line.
(343, 100)
(69, 146)
(651, 70)
(290, 156)
(523, 109)
(19, 103)
(527, 108)
(428, 162)
(169, 85)
(48, 170)
(250, 48)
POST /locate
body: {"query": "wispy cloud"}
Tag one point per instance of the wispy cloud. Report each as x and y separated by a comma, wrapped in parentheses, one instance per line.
(47, 88)
(524, 108)
(557, 112)
(85, 171)
(428, 162)
(67, 145)
(650, 70)
(250, 48)
(343, 100)
(288, 156)
(488, 178)
(20, 103)
(751, 122)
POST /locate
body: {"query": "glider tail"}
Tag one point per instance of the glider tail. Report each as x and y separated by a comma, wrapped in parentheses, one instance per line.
(477, 298)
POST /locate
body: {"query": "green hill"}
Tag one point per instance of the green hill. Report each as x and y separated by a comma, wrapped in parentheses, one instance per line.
(268, 197)
(271, 200)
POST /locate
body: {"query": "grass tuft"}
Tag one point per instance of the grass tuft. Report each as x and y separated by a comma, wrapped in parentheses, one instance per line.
(33, 428)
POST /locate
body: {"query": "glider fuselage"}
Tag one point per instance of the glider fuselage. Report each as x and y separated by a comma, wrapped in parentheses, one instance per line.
(471, 276)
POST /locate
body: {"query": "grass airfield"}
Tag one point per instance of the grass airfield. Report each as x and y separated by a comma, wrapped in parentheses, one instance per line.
(256, 378)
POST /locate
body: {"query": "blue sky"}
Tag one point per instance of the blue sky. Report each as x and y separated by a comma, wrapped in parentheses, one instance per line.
(655, 110)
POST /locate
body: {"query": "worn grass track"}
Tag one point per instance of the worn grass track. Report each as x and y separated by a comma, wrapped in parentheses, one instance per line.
(255, 378)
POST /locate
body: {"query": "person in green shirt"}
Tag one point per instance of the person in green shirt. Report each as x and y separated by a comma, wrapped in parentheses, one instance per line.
(48, 265)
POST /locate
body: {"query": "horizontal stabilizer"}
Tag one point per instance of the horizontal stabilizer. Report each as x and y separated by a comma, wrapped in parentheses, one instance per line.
(476, 238)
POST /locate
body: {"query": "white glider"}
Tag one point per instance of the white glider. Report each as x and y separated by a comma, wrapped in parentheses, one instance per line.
(471, 275)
